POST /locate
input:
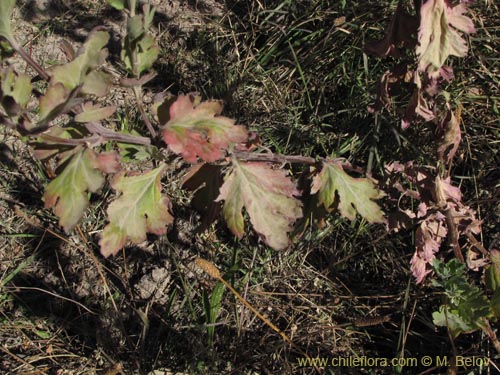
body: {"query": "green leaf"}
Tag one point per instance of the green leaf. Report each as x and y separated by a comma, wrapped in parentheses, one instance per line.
(135, 153)
(67, 193)
(492, 273)
(54, 96)
(267, 195)
(6, 8)
(495, 303)
(17, 86)
(354, 194)
(118, 4)
(135, 28)
(42, 334)
(147, 52)
(140, 209)
(96, 83)
(196, 130)
(149, 14)
(90, 56)
(451, 319)
(212, 308)
(466, 306)
(94, 113)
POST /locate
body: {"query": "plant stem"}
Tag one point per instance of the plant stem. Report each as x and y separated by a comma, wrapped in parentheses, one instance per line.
(99, 135)
(144, 115)
(291, 159)
(31, 62)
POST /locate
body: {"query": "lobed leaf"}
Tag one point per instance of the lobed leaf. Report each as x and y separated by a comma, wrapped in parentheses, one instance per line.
(268, 197)
(195, 130)
(428, 238)
(140, 209)
(147, 53)
(354, 194)
(90, 56)
(466, 305)
(67, 193)
(439, 33)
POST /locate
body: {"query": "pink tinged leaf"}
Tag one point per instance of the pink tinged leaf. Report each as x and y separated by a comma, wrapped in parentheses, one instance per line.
(465, 219)
(108, 162)
(140, 209)
(449, 136)
(474, 261)
(93, 112)
(428, 237)
(445, 192)
(268, 197)
(422, 210)
(355, 195)
(67, 193)
(196, 130)
(401, 32)
(419, 268)
(439, 35)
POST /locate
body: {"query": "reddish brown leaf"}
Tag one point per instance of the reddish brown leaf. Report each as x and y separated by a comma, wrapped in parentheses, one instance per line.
(401, 33)
(449, 137)
(205, 180)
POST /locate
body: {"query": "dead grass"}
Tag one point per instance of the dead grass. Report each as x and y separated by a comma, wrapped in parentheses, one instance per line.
(294, 72)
